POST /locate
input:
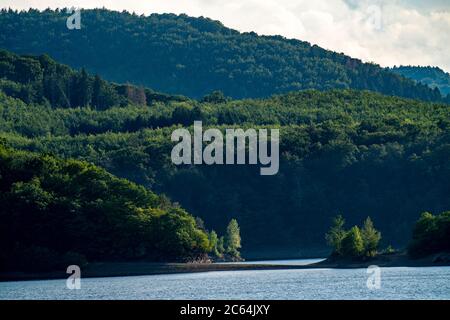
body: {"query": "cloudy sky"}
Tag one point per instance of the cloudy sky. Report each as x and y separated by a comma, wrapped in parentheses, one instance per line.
(388, 32)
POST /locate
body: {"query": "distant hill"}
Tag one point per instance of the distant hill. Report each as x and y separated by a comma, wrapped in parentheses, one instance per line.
(194, 56)
(434, 77)
(40, 79)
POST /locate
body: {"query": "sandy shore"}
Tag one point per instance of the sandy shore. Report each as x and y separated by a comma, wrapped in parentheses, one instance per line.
(116, 269)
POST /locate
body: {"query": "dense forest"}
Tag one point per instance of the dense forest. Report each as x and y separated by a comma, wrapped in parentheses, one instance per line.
(60, 212)
(179, 54)
(67, 211)
(434, 77)
(431, 235)
(356, 153)
(42, 80)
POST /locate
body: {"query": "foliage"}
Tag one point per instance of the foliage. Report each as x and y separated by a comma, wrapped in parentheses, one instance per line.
(431, 235)
(192, 56)
(371, 238)
(64, 211)
(389, 250)
(214, 244)
(336, 234)
(42, 80)
(353, 243)
(233, 239)
(357, 152)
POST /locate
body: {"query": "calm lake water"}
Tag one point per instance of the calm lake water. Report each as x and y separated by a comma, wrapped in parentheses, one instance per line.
(396, 283)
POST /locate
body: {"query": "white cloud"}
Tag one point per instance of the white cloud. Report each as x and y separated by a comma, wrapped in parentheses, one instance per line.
(386, 32)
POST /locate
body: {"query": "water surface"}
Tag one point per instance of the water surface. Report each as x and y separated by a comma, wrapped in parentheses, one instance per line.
(396, 283)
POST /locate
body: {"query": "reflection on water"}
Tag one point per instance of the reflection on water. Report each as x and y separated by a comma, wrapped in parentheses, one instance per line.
(396, 283)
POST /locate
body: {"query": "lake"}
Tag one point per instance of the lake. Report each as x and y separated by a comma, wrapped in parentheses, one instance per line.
(396, 283)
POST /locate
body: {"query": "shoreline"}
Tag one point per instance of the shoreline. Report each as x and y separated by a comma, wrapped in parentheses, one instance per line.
(124, 269)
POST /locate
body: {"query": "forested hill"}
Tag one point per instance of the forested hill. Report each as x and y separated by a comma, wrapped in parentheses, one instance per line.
(60, 212)
(194, 56)
(432, 76)
(353, 152)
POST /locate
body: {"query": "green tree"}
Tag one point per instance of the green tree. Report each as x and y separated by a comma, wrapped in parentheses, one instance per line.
(221, 246)
(233, 238)
(28, 70)
(97, 87)
(353, 244)
(215, 97)
(213, 243)
(431, 235)
(371, 238)
(336, 234)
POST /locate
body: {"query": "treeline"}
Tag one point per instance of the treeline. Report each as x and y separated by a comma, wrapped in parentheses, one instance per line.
(193, 56)
(433, 77)
(55, 213)
(380, 118)
(431, 235)
(41, 80)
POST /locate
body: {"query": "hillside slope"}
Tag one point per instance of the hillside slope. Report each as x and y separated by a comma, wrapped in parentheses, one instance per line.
(351, 152)
(193, 56)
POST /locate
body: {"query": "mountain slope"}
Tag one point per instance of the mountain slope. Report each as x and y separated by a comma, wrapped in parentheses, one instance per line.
(434, 77)
(193, 56)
